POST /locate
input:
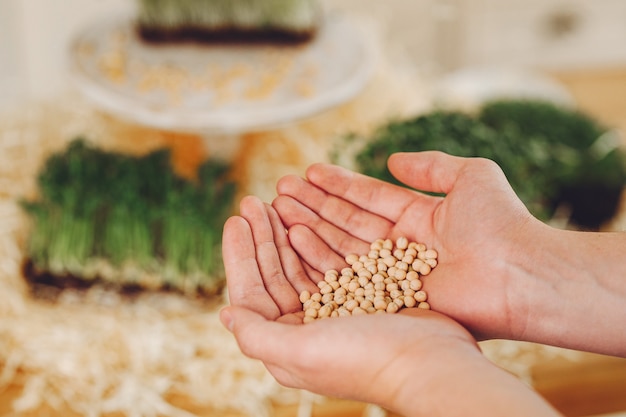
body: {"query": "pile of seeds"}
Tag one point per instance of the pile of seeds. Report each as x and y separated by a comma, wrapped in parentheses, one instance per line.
(383, 281)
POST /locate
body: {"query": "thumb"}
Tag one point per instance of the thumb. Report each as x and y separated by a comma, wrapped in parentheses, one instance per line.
(430, 171)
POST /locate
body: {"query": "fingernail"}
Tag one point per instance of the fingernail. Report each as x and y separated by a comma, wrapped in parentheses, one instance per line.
(227, 319)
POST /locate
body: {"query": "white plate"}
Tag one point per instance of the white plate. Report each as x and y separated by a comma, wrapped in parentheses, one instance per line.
(223, 88)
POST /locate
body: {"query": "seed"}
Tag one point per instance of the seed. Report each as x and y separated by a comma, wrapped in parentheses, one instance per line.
(340, 299)
(420, 296)
(352, 258)
(328, 278)
(425, 269)
(305, 296)
(350, 305)
(409, 302)
(327, 298)
(358, 311)
(377, 244)
(380, 303)
(411, 275)
(325, 311)
(363, 280)
(402, 242)
(389, 261)
(385, 280)
(357, 266)
(415, 285)
(432, 262)
(326, 289)
(392, 308)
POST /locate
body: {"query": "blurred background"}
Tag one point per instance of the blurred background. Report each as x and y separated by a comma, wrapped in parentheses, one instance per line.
(456, 52)
(437, 36)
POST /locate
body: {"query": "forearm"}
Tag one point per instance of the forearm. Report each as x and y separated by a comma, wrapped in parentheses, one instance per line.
(570, 288)
(474, 387)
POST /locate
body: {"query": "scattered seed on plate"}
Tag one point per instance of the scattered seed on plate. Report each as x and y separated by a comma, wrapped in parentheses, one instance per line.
(386, 279)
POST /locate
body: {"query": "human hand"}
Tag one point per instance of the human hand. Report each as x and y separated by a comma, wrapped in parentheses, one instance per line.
(264, 278)
(411, 363)
(475, 228)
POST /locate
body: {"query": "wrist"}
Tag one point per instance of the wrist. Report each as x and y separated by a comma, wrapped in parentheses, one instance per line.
(566, 282)
(470, 385)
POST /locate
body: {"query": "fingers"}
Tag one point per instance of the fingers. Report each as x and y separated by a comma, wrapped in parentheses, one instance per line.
(314, 251)
(293, 269)
(375, 196)
(264, 231)
(245, 284)
(435, 171)
(293, 212)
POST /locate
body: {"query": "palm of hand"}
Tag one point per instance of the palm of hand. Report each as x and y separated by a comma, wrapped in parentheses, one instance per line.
(337, 212)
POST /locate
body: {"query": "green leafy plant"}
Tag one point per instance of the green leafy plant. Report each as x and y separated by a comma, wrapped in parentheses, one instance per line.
(130, 220)
(552, 156)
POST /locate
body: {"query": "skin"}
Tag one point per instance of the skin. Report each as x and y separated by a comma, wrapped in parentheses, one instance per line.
(493, 280)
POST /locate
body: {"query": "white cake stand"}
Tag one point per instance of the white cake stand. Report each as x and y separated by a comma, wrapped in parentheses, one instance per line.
(223, 89)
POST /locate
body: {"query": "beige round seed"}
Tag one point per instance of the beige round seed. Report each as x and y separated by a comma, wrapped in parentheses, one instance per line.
(377, 244)
(415, 285)
(400, 274)
(326, 289)
(305, 296)
(389, 261)
(432, 262)
(398, 253)
(308, 319)
(387, 279)
(411, 275)
(328, 278)
(420, 296)
(352, 258)
(340, 299)
(357, 266)
(409, 302)
(344, 279)
(392, 308)
(325, 311)
(358, 311)
(350, 305)
(425, 269)
(402, 242)
(380, 303)
(343, 312)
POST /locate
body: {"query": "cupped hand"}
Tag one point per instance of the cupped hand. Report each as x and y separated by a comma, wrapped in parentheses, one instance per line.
(475, 227)
(348, 357)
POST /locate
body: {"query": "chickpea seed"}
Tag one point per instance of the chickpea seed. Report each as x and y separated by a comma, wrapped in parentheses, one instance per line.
(385, 280)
